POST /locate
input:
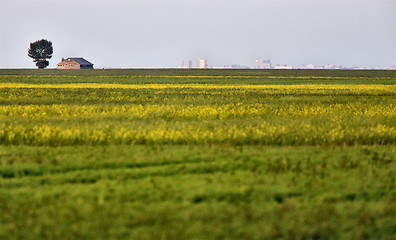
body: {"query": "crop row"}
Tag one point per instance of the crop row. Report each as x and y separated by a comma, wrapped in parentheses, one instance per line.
(225, 111)
(288, 88)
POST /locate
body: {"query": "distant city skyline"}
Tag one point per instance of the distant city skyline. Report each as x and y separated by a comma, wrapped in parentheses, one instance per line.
(159, 34)
(266, 64)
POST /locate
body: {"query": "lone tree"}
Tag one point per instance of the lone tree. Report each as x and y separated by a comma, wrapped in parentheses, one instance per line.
(41, 50)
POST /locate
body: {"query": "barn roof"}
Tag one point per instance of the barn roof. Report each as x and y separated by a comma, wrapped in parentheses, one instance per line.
(81, 61)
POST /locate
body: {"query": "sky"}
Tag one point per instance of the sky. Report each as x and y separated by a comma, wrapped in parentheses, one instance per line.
(161, 33)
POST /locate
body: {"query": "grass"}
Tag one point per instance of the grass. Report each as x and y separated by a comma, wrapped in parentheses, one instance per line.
(190, 192)
(213, 155)
(203, 72)
(195, 76)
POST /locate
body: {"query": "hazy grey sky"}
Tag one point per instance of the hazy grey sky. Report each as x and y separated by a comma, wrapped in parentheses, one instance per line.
(161, 33)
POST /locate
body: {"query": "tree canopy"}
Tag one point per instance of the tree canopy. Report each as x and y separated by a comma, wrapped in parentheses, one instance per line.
(40, 51)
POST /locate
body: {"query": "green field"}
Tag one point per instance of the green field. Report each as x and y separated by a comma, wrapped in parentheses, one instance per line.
(197, 154)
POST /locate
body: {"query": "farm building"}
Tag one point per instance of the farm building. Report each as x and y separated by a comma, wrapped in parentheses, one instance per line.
(74, 63)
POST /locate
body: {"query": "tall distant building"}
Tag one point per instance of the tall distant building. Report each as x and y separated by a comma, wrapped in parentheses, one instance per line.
(263, 64)
(186, 64)
(202, 63)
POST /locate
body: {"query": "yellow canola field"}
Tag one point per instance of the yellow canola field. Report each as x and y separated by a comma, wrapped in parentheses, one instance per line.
(355, 87)
(228, 114)
(174, 111)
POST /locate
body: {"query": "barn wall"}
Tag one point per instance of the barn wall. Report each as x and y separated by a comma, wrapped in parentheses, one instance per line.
(68, 65)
